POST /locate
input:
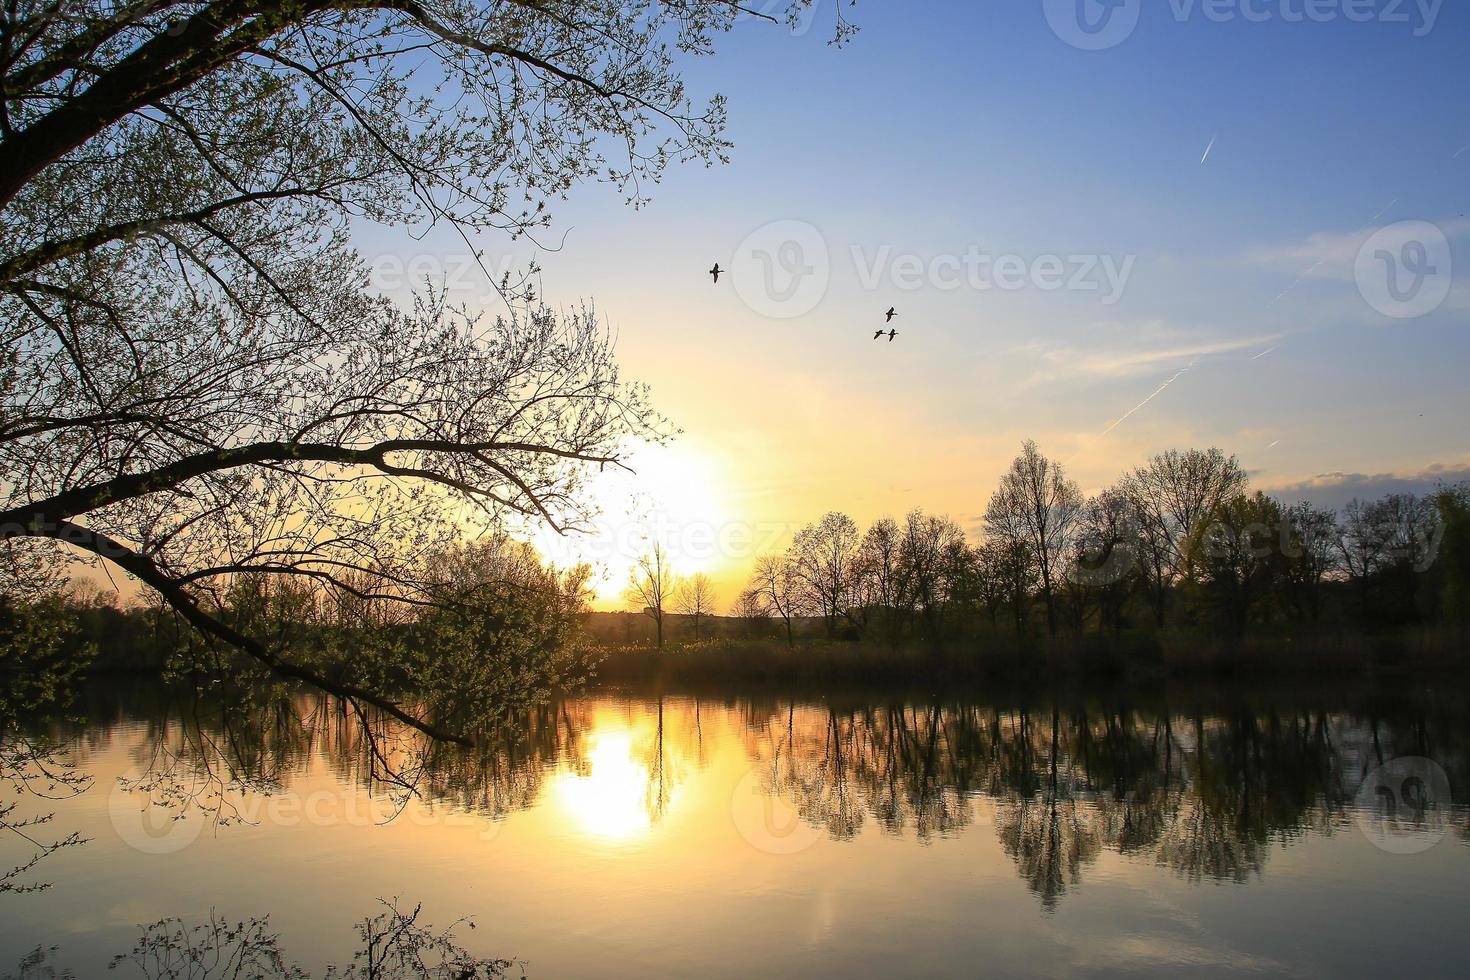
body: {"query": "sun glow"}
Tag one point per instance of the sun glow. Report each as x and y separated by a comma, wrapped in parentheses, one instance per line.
(609, 799)
(674, 496)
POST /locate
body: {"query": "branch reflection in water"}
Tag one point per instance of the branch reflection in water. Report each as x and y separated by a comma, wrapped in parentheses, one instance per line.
(1205, 790)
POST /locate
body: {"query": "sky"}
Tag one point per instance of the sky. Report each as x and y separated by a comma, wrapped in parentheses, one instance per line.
(1238, 224)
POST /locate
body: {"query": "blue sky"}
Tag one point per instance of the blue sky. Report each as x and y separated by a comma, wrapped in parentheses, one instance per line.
(948, 126)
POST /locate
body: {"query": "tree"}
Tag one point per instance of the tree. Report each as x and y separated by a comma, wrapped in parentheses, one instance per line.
(993, 581)
(880, 576)
(1311, 547)
(1362, 547)
(1175, 494)
(1236, 560)
(1108, 547)
(753, 614)
(1037, 506)
(928, 556)
(824, 559)
(650, 588)
(695, 598)
(774, 585)
(1454, 516)
(198, 386)
(1385, 547)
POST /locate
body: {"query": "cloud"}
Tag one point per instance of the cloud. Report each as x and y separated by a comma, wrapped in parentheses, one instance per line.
(1330, 254)
(1336, 489)
(1132, 351)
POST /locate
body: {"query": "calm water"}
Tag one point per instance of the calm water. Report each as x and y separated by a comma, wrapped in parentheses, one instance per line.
(631, 836)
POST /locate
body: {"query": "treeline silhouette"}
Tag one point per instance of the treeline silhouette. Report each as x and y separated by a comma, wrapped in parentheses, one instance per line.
(1180, 542)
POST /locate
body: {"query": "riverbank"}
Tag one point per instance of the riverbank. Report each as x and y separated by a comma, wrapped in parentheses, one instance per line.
(1129, 656)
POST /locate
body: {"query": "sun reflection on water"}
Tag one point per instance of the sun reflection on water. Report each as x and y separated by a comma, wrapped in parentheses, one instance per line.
(608, 798)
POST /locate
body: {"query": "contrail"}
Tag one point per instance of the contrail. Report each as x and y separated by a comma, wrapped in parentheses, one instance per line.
(1274, 444)
(1208, 149)
(1157, 392)
(1265, 352)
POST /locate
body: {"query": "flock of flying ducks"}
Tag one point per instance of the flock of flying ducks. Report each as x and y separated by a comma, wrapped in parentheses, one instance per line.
(890, 333)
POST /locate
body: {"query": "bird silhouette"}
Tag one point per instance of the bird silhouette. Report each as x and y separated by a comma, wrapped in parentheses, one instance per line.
(891, 335)
(877, 335)
(716, 273)
(892, 312)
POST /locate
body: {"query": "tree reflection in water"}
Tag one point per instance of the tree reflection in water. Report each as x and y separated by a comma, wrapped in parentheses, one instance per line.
(1203, 792)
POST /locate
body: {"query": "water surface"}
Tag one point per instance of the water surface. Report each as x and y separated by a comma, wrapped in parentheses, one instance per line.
(626, 836)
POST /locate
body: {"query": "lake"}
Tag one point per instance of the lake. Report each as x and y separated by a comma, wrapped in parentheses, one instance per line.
(621, 835)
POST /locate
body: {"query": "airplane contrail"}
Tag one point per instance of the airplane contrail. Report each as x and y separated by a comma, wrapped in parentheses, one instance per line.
(1157, 392)
(1208, 149)
(1265, 352)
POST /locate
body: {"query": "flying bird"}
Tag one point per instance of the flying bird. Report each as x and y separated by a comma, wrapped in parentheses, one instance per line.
(892, 312)
(877, 335)
(891, 335)
(716, 273)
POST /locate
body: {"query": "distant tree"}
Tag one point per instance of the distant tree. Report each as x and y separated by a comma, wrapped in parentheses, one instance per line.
(1362, 547)
(1175, 494)
(824, 560)
(752, 613)
(650, 588)
(1312, 550)
(992, 581)
(775, 586)
(1038, 507)
(1009, 571)
(695, 598)
(927, 557)
(880, 574)
(1235, 559)
(1454, 557)
(1108, 550)
(1385, 546)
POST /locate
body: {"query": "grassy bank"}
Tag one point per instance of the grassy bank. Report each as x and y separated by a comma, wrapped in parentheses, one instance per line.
(1130, 656)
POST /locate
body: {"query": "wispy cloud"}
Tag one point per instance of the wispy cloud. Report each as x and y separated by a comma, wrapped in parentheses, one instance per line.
(1329, 254)
(1149, 349)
